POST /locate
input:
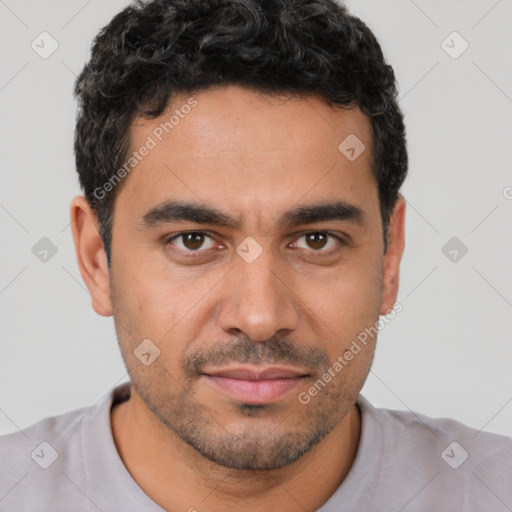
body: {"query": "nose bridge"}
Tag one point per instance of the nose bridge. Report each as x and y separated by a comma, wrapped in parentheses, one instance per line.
(259, 301)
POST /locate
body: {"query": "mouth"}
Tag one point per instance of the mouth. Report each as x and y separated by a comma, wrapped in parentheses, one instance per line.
(253, 385)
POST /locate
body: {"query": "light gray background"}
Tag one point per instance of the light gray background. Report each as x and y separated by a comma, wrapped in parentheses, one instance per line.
(447, 354)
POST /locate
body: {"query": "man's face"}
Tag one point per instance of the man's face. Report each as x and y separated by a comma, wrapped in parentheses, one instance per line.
(271, 291)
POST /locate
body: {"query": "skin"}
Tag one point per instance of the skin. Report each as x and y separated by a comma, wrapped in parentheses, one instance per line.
(300, 304)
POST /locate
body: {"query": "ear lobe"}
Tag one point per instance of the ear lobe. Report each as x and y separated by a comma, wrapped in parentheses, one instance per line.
(391, 268)
(90, 255)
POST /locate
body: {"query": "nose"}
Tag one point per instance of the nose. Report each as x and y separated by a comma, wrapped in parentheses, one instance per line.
(259, 300)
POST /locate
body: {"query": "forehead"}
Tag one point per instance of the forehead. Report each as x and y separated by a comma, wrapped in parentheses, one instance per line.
(259, 151)
(235, 119)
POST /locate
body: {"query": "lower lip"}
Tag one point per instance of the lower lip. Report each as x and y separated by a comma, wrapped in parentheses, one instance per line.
(255, 391)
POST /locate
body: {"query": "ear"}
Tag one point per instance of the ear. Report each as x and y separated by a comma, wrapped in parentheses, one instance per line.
(90, 255)
(391, 267)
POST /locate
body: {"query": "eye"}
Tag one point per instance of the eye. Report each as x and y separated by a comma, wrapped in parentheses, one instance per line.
(192, 241)
(318, 241)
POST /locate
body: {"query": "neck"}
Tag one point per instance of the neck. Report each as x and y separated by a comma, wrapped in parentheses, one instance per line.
(176, 477)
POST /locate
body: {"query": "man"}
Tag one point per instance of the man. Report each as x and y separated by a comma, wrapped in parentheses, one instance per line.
(242, 223)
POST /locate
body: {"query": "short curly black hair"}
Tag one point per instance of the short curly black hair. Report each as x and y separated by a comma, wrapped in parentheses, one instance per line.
(152, 51)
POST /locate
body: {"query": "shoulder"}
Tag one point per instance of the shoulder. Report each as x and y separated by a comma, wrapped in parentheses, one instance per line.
(22, 447)
(33, 458)
(414, 431)
(450, 461)
(43, 465)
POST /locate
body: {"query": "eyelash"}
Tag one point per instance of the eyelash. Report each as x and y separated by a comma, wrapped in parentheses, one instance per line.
(197, 253)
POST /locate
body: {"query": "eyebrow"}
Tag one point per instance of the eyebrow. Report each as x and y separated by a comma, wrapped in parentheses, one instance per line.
(179, 211)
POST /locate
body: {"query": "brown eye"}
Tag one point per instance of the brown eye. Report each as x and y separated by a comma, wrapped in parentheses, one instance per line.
(192, 241)
(316, 240)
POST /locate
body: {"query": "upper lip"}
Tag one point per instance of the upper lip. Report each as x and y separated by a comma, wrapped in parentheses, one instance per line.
(252, 373)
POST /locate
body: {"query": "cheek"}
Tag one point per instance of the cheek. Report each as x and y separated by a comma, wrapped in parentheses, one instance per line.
(144, 299)
(348, 301)
(162, 303)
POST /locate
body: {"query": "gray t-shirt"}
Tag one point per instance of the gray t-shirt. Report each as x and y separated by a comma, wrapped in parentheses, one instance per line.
(405, 462)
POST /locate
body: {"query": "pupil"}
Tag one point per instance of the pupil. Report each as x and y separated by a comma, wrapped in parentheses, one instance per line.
(317, 240)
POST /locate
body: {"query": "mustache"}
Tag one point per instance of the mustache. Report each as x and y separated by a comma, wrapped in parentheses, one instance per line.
(244, 350)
